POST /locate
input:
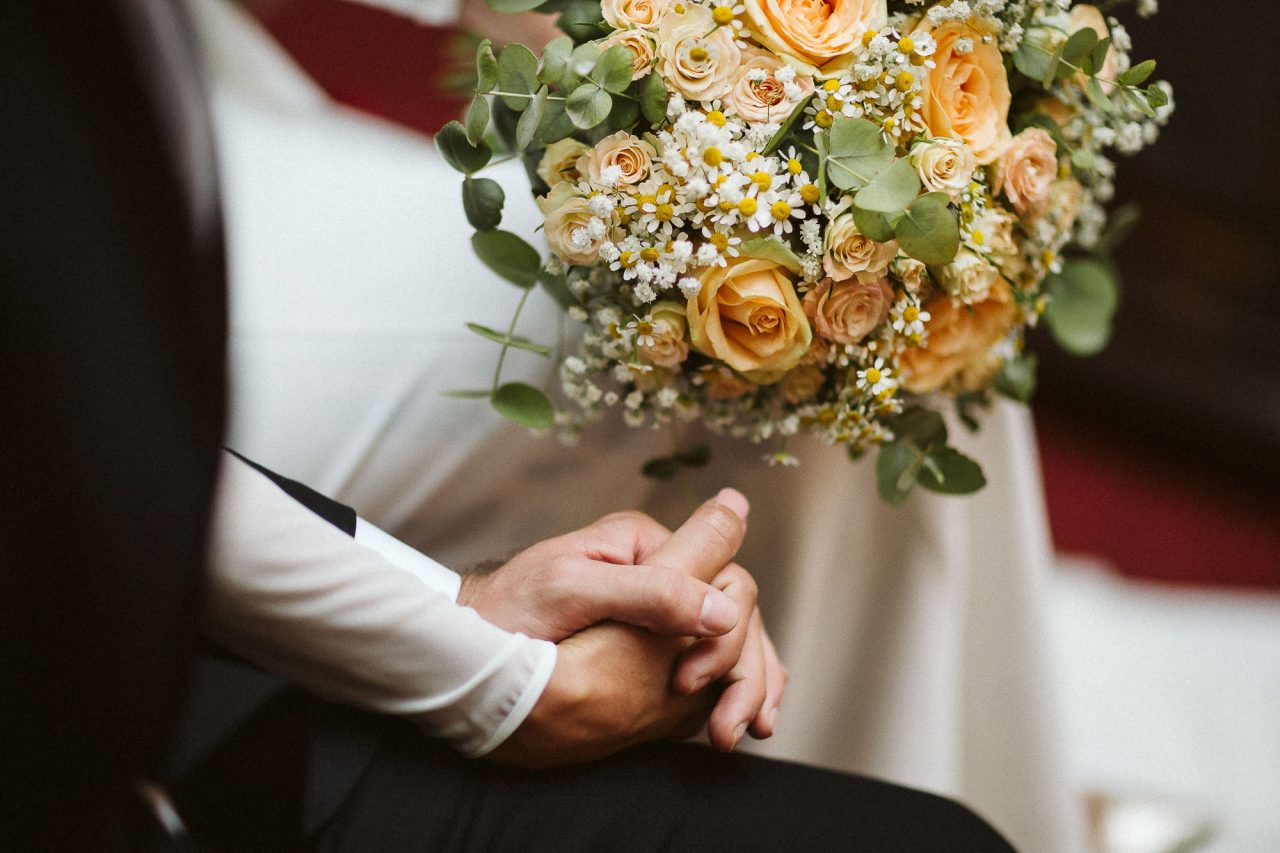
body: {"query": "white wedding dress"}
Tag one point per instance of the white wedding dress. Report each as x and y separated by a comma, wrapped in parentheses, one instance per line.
(915, 636)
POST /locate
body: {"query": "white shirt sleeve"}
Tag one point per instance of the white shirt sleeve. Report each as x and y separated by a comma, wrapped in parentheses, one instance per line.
(298, 597)
(438, 13)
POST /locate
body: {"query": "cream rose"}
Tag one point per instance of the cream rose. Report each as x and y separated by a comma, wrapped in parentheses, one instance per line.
(802, 383)
(559, 161)
(748, 316)
(696, 58)
(969, 277)
(1085, 16)
(632, 156)
(958, 337)
(910, 272)
(568, 226)
(625, 14)
(1065, 197)
(1027, 169)
(815, 32)
(763, 99)
(641, 45)
(847, 252)
(846, 312)
(966, 96)
(667, 327)
(994, 231)
(944, 165)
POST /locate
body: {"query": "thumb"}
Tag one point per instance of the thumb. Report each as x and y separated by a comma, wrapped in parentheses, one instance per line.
(664, 601)
(708, 541)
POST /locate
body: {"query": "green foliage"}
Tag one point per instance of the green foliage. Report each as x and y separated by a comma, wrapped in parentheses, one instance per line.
(588, 106)
(875, 225)
(612, 71)
(897, 468)
(653, 98)
(477, 119)
(460, 153)
(919, 455)
(1093, 90)
(514, 6)
(1082, 301)
(509, 341)
(1079, 45)
(1138, 74)
(694, 457)
(892, 190)
(1017, 378)
(523, 404)
(486, 67)
(555, 124)
(531, 120)
(787, 128)
(857, 153)
(1033, 60)
(468, 394)
(581, 20)
(667, 467)
(771, 249)
(509, 256)
(555, 59)
(949, 472)
(928, 231)
(518, 75)
(623, 116)
(482, 201)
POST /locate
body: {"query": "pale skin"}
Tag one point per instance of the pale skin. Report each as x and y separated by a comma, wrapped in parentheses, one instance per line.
(693, 660)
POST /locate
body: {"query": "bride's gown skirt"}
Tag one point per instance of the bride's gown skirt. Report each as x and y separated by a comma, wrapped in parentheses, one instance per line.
(914, 636)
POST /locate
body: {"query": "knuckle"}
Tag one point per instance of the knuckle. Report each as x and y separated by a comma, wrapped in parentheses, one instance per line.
(664, 591)
(723, 524)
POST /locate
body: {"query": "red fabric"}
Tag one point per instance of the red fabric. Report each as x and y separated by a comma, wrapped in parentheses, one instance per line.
(373, 60)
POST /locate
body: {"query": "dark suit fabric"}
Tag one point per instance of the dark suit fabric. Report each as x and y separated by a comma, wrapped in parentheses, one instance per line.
(111, 353)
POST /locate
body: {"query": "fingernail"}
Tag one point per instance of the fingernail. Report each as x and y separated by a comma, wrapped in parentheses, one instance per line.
(734, 500)
(773, 717)
(719, 613)
(698, 685)
(737, 734)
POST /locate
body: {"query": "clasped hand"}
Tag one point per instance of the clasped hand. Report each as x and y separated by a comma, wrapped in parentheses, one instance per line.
(658, 634)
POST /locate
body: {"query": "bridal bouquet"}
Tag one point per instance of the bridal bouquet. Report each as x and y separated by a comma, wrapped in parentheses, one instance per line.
(787, 216)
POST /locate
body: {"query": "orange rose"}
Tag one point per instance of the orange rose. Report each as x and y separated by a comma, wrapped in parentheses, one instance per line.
(748, 316)
(846, 312)
(966, 96)
(815, 32)
(958, 338)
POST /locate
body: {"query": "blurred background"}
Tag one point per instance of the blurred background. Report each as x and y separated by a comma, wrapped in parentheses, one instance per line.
(1161, 456)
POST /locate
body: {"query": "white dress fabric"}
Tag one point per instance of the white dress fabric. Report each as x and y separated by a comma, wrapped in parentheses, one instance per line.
(915, 636)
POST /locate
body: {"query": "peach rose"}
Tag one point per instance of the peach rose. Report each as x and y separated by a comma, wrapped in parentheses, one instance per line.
(1065, 197)
(748, 316)
(967, 96)
(1027, 169)
(958, 337)
(632, 156)
(567, 225)
(639, 42)
(802, 383)
(625, 14)
(910, 272)
(993, 230)
(847, 252)
(848, 312)
(724, 384)
(759, 99)
(1085, 16)
(669, 347)
(696, 58)
(968, 278)
(559, 161)
(814, 32)
(944, 165)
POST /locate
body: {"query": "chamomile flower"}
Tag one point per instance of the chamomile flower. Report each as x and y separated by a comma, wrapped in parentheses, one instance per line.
(877, 379)
(909, 319)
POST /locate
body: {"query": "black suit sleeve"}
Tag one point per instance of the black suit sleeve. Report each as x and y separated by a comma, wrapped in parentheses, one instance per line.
(339, 515)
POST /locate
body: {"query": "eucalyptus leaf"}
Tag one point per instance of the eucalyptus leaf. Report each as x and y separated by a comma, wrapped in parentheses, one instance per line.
(517, 74)
(1141, 103)
(623, 116)
(950, 472)
(787, 128)
(512, 7)
(1082, 302)
(1082, 160)
(555, 59)
(512, 341)
(1093, 89)
(1157, 97)
(1138, 74)
(1079, 45)
(891, 190)
(482, 201)
(875, 225)
(530, 119)
(662, 468)
(477, 119)
(923, 427)
(524, 405)
(928, 231)
(468, 393)
(588, 106)
(612, 71)
(1097, 58)
(771, 249)
(694, 457)
(555, 124)
(581, 20)
(857, 153)
(1017, 378)
(653, 98)
(1055, 68)
(486, 67)
(509, 256)
(460, 153)
(1033, 59)
(897, 468)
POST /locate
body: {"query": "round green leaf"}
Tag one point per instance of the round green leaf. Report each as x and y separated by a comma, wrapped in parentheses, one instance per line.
(1017, 378)
(612, 71)
(581, 20)
(891, 190)
(458, 152)
(482, 201)
(1082, 303)
(653, 98)
(588, 106)
(555, 124)
(897, 468)
(949, 472)
(530, 119)
(623, 116)
(1033, 59)
(877, 226)
(929, 231)
(662, 468)
(856, 153)
(1079, 45)
(508, 256)
(486, 67)
(517, 74)
(555, 59)
(923, 427)
(523, 404)
(514, 6)
(477, 119)
(771, 249)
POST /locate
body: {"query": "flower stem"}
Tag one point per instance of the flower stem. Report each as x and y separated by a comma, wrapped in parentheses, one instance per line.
(511, 330)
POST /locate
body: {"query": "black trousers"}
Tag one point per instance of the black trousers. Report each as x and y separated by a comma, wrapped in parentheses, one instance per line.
(417, 794)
